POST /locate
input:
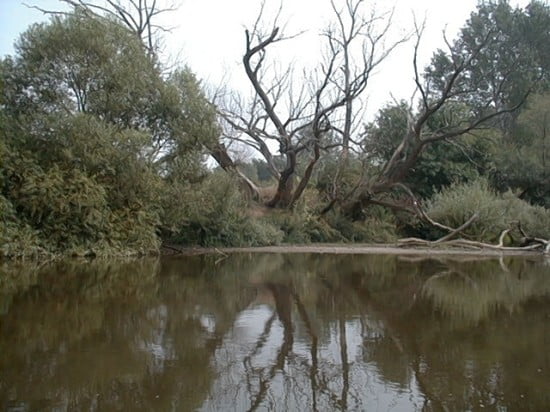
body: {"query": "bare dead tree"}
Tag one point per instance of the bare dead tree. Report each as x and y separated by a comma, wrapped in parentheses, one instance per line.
(139, 16)
(298, 117)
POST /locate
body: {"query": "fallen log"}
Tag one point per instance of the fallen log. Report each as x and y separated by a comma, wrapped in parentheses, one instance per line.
(538, 244)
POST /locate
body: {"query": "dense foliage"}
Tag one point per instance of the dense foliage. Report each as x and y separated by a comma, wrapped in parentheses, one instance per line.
(93, 135)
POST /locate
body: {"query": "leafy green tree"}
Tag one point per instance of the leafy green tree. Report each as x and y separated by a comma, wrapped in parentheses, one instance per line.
(96, 66)
(523, 163)
(262, 170)
(189, 126)
(81, 64)
(93, 134)
(514, 62)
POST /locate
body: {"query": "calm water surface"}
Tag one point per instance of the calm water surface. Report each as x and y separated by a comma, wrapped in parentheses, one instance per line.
(276, 332)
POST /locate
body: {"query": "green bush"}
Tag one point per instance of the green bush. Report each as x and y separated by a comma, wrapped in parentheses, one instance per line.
(76, 185)
(378, 227)
(456, 204)
(17, 238)
(65, 211)
(214, 213)
(303, 226)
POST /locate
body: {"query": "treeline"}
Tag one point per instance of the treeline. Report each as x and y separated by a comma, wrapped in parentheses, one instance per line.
(104, 149)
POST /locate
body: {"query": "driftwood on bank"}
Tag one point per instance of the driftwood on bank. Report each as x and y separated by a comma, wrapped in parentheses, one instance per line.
(528, 243)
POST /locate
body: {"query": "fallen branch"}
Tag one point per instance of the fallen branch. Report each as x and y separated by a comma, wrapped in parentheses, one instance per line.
(458, 230)
(528, 240)
(543, 246)
(501, 237)
(471, 244)
(528, 243)
(423, 215)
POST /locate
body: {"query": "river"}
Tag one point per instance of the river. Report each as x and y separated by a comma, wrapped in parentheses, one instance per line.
(281, 332)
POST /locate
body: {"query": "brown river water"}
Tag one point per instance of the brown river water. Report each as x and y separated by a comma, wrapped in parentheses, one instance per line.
(276, 332)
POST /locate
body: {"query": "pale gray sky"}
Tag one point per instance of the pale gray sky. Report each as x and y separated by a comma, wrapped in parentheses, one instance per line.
(209, 35)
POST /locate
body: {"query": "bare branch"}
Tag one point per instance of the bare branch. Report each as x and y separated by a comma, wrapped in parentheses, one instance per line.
(137, 15)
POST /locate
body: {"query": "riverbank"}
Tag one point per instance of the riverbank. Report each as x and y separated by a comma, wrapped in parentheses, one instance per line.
(355, 249)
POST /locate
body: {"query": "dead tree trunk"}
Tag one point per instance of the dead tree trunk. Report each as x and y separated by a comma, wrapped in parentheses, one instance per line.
(298, 119)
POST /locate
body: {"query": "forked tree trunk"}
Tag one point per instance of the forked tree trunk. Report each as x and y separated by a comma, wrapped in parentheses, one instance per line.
(285, 187)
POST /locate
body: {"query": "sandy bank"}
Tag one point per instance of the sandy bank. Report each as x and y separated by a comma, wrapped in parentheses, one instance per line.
(355, 249)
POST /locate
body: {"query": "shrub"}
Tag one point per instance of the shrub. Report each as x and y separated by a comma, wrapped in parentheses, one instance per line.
(213, 213)
(64, 211)
(378, 227)
(497, 212)
(17, 238)
(303, 226)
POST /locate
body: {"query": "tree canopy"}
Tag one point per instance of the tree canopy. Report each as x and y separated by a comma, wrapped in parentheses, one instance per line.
(92, 131)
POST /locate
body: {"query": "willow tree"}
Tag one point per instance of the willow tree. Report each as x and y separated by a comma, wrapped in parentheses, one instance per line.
(93, 129)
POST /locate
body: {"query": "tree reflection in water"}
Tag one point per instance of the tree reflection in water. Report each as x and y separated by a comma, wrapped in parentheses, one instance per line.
(276, 332)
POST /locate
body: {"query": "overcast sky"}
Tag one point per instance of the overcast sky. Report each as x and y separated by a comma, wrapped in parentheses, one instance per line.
(208, 35)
